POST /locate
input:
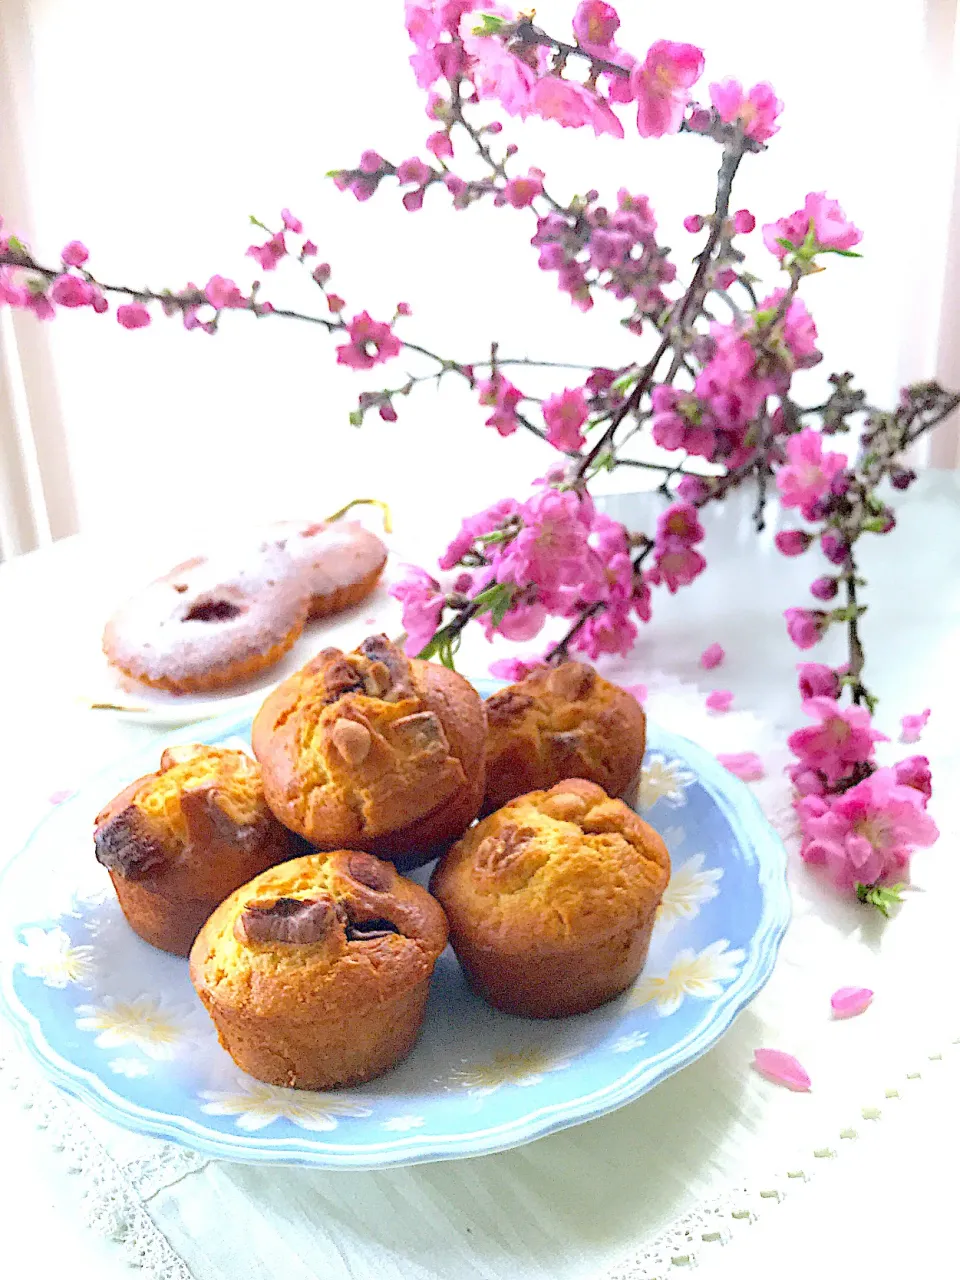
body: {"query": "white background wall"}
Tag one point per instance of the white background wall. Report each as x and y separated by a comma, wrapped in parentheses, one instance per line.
(154, 130)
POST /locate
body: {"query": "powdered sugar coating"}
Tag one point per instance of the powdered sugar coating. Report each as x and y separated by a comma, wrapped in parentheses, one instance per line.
(331, 557)
(208, 618)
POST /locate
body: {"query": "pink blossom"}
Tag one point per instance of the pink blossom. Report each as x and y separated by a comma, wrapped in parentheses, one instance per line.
(499, 393)
(792, 542)
(915, 772)
(521, 623)
(270, 253)
(831, 227)
(661, 86)
(756, 112)
(798, 328)
(638, 691)
(612, 631)
(565, 414)
(335, 303)
(712, 656)
(521, 192)
(422, 600)
(595, 24)
(680, 521)
(371, 342)
(439, 144)
(693, 223)
(719, 700)
(414, 170)
(573, 105)
(842, 738)
(133, 315)
(781, 1068)
(474, 527)
(512, 669)
(221, 292)
(911, 727)
(413, 200)
(42, 307)
(290, 222)
(692, 489)
(71, 291)
(847, 1002)
(817, 681)
(728, 383)
(551, 547)
(676, 566)
(496, 73)
(309, 249)
(824, 587)
(809, 472)
(371, 161)
(743, 222)
(75, 254)
(869, 832)
(745, 765)
(804, 626)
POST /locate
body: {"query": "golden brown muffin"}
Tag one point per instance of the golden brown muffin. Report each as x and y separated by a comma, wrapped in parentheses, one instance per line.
(372, 750)
(552, 900)
(561, 722)
(316, 973)
(176, 842)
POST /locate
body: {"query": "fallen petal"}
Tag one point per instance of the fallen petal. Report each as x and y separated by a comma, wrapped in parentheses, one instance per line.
(782, 1068)
(719, 700)
(712, 656)
(639, 691)
(58, 797)
(911, 727)
(847, 1002)
(745, 764)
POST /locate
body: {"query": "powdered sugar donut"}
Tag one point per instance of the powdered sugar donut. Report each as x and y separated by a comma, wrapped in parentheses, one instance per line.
(340, 561)
(208, 623)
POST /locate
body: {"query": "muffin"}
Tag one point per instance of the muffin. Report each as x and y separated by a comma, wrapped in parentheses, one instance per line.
(176, 842)
(552, 900)
(316, 973)
(372, 750)
(561, 722)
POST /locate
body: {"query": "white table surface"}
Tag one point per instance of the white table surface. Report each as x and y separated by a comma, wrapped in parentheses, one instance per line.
(53, 603)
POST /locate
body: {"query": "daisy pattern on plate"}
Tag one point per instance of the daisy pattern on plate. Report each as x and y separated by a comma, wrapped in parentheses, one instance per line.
(147, 1022)
(523, 1068)
(129, 1067)
(49, 954)
(698, 974)
(689, 888)
(402, 1124)
(632, 1040)
(254, 1106)
(662, 779)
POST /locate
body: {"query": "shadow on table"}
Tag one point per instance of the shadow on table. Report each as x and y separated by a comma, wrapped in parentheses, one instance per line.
(566, 1205)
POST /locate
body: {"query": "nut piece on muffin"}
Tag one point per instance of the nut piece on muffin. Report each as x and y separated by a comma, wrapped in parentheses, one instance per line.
(561, 722)
(176, 842)
(372, 750)
(552, 900)
(316, 974)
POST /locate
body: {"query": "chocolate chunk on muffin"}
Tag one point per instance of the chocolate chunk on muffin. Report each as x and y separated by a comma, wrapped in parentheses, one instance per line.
(372, 750)
(176, 842)
(316, 974)
(552, 900)
(561, 722)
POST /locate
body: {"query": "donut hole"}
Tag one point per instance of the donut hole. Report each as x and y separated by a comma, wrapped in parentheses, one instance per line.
(213, 611)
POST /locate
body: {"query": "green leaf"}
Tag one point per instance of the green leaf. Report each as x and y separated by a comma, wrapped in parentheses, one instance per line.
(625, 381)
(356, 417)
(490, 25)
(842, 253)
(495, 600)
(881, 896)
(16, 245)
(786, 244)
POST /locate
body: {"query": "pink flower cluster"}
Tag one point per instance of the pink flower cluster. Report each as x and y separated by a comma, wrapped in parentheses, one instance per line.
(821, 218)
(676, 561)
(613, 250)
(860, 821)
(556, 555)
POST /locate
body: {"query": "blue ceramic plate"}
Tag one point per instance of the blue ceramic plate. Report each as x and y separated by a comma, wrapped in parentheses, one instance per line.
(116, 1022)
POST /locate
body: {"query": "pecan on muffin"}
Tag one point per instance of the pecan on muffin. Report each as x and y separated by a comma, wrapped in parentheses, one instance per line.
(561, 722)
(552, 900)
(372, 750)
(177, 841)
(316, 974)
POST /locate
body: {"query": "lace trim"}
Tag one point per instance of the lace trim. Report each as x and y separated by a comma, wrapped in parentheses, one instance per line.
(722, 1219)
(112, 1196)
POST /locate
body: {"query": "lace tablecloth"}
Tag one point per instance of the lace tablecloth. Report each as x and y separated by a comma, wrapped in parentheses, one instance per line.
(656, 1186)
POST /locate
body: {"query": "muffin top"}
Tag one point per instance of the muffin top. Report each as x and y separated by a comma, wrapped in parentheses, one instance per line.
(360, 744)
(330, 931)
(553, 867)
(201, 796)
(563, 712)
